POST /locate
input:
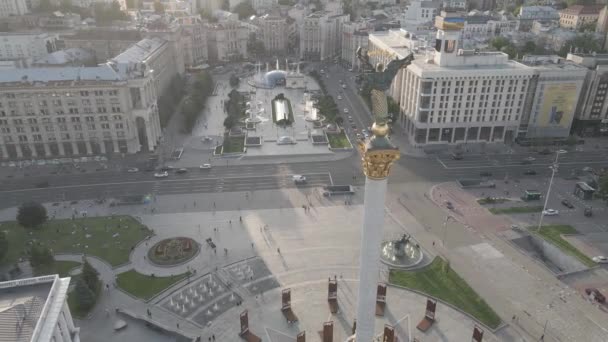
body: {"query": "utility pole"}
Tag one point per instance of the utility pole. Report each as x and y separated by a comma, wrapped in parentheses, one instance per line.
(553, 171)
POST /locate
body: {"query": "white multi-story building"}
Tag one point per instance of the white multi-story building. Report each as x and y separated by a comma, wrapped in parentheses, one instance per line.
(529, 14)
(53, 112)
(12, 8)
(354, 35)
(321, 36)
(449, 95)
(227, 41)
(261, 6)
(273, 32)
(194, 40)
(36, 309)
(419, 12)
(26, 46)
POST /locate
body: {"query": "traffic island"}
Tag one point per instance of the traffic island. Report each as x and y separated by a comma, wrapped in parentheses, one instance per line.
(173, 251)
(554, 233)
(338, 140)
(516, 210)
(438, 280)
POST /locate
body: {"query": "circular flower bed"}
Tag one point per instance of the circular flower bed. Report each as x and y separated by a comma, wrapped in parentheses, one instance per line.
(174, 251)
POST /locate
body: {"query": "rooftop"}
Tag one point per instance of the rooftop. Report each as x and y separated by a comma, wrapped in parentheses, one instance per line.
(582, 9)
(105, 34)
(99, 73)
(140, 51)
(549, 62)
(22, 305)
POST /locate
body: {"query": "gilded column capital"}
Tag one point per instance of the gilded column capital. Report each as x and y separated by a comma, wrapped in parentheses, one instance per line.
(377, 162)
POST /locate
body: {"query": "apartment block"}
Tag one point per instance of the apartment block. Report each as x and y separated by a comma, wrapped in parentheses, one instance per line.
(321, 35)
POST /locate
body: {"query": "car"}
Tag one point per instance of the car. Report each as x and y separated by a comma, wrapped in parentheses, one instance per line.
(351, 69)
(346, 110)
(562, 151)
(588, 211)
(600, 259)
(162, 174)
(529, 172)
(182, 170)
(350, 118)
(206, 139)
(344, 86)
(530, 159)
(365, 134)
(205, 167)
(360, 136)
(567, 204)
(449, 205)
(299, 179)
(457, 156)
(545, 151)
(596, 294)
(485, 174)
(550, 212)
(132, 170)
(353, 125)
(166, 168)
(587, 169)
(339, 97)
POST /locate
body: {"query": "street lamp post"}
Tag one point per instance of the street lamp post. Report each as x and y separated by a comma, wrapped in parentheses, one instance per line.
(445, 229)
(553, 170)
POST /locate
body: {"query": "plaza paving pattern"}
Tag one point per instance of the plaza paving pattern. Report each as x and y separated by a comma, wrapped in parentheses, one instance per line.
(314, 246)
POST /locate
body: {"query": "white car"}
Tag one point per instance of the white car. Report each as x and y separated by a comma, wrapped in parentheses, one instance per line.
(531, 159)
(299, 179)
(344, 86)
(339, 97)
(163, 174)
(133, 170)
(600, 259)
(205, 166)
(346, 110)
(562, 151)
(351, 69)
(551, 212)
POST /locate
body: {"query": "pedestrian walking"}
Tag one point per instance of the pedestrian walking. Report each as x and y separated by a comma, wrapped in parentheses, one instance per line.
(433, 243)
(177, 324)
(240, 219)
(213, 336)
(279, 250)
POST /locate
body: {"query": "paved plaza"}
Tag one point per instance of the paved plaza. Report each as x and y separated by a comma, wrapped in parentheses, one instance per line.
(314, 246)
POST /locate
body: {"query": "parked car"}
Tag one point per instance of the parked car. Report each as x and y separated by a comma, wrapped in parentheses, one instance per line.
(485, 174)
(562, 151)
(530, 159)
(132, 170)
(350, 118)
(545, 151)
(588, 211)
(344, 86)
(596, 294)
(529, 172)
(550, 212)
(346, 110)
(162, 174)
(205, 167)
(600, 259)
(567, 204)
(182, 170)
(353, 125)
(449, 205)
(339, 97)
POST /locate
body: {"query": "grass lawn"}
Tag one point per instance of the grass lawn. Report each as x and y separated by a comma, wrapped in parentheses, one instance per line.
(492, 200)
(338, 140)
(516, 210)
(60, 267)
(233, 144)
(73, 303)
(143, 286)
(70, 236)
(434, 281)
(552, 233)
(218, 150)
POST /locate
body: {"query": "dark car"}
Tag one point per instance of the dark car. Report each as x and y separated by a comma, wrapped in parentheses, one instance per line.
(485, 174)
(457, 156)
(588, 212)
(529, 172)
(182, 170)
(599, 297)
(545, 151)
(567, 204)
(449, 205)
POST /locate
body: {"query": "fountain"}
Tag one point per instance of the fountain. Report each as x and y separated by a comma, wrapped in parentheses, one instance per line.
(184, 309)
(209, 313)
(210, 293)
(171, 303)
(232, 297)
(313, 114)
(401, 253)
(216, 307)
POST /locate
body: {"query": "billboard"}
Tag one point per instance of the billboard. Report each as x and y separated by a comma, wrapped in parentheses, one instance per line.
(558, 104)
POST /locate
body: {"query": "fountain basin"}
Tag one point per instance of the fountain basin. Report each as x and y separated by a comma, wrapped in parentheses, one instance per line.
(402, 253)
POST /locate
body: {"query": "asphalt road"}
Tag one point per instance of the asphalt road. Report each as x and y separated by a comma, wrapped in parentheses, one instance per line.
(105, 184)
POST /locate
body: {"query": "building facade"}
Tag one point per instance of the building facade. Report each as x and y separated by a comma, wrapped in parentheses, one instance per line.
(575, 16)
(552, 97)
(354, 35)
(592, 109)
(274, 33)
(321, 36)
(529, 14)
(26, 46)
(48, 317)
(194, 40)
(56, 112)
(13, 8)
(227, 41)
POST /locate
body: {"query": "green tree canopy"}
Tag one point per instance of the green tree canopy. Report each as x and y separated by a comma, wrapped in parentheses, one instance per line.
(105, 14)
(244, 10)
(84, 296)
(41, 257)
(90, 276)
(603, 185)
(158, 7)
(585, 42)
(31, 214)
(3, 245)
(234, 81)
(499, 42)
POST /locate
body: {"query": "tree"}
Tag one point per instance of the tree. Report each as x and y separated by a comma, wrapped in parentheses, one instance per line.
(244, 10)
(84, 296)
(585, 43)
(603, 185)
(499, 42)
(588, 26)
(90, 276)
(3, 245)
(229, 122)
(41, 258)
(31, 214)
(158, 7)
(234, 81)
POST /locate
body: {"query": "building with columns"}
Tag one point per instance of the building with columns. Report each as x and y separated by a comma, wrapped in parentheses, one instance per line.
(57, 112)
(321, 36)
(355, 34)
(36, 309)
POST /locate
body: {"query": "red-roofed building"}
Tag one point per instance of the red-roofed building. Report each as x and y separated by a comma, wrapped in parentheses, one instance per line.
(578, 15)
